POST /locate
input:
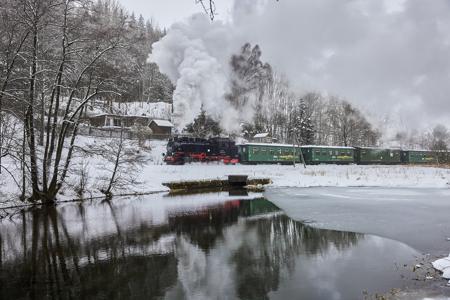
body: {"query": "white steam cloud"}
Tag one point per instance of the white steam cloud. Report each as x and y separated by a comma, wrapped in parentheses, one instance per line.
(388, 57)
(195, 56)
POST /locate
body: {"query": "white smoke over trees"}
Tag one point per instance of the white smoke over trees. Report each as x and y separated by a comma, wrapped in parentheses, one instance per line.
(388, 58)
(198, 58)
(192, 55)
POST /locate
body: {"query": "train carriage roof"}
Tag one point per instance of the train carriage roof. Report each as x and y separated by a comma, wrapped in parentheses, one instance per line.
(327, 147)
(418, 150)
(268, 145)
(380, 149)
(291, 145)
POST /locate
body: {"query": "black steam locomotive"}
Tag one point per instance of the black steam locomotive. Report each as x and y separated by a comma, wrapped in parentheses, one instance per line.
(183, 149)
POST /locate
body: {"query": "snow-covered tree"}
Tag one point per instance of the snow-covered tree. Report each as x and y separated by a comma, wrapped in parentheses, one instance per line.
(439, 138)
(301, 128)
(203, 126)
(64, 54)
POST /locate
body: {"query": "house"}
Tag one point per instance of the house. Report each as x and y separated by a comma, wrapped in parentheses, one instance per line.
(114, 120)
(161, 127)
(263, 137)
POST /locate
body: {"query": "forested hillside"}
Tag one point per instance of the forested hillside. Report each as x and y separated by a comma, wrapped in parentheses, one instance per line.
(56, 59)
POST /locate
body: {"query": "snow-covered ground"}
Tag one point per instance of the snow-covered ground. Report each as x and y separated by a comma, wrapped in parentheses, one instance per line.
(151, 175)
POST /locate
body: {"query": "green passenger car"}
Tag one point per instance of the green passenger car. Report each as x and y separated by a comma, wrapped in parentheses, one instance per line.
(443, 157)
(328, 155)
(377, 156)
(253, 153)
(419, 157)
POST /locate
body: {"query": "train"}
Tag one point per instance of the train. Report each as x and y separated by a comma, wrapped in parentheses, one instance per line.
(185, 149)
(188, 149)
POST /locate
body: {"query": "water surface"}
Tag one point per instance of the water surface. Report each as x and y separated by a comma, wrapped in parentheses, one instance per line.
(190, 247)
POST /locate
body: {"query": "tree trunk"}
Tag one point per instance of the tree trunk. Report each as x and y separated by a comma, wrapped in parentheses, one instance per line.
(29, 122)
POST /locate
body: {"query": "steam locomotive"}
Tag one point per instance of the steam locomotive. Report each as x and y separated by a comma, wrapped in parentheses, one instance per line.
(183, 149)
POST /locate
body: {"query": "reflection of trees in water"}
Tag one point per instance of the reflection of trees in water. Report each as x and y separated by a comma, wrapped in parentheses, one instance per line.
(49, 262)
(269, 245)
(57, 266)
(205, 227)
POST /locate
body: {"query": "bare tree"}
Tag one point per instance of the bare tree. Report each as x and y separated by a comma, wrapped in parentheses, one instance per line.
(124, 159)
(439, 138)
(14, 36)
(209, 6)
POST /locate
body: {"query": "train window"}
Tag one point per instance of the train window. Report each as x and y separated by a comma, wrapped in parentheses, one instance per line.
(263, 149)
(279, 150)
(331, 152)
(318, 151)
(271, 151)
(342, 153)
(392, 154)
(255, 150)
(336, 152)
(324, 152)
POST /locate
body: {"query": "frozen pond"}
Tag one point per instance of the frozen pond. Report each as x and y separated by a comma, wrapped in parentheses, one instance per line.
(212, 246)
(418, 217)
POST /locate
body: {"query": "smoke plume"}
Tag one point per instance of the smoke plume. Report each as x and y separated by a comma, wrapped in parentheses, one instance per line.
(389, 57)
(195, 54)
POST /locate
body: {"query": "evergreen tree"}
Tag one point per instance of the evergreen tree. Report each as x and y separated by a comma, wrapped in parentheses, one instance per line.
(301, 127)
(204, 126)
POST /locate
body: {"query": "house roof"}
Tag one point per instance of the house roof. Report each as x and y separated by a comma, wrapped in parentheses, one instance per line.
(261, 135)
(162, 123)
(119, 116)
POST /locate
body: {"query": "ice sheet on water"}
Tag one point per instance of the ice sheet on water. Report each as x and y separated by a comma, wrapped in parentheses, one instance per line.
(443, 265)
(415, 216)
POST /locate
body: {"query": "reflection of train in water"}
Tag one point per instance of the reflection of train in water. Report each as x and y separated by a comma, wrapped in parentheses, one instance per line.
(187, 149)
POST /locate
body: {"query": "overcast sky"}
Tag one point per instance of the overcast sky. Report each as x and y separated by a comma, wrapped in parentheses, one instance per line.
(166, 12)
(389, 57)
